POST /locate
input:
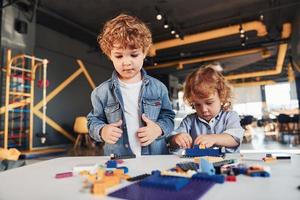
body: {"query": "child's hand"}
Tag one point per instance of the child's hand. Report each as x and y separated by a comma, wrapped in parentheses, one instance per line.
(207, 140)
(183, 140)
(111, 133)
(148, 133)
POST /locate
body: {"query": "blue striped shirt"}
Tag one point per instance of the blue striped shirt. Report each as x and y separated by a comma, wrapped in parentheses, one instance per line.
(225, 122)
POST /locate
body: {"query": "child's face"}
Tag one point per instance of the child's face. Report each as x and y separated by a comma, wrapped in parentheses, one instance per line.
(209, 107)
(128, 63)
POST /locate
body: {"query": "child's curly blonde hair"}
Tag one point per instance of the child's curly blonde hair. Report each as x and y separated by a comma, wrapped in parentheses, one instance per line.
(125, 31)
(205, 82)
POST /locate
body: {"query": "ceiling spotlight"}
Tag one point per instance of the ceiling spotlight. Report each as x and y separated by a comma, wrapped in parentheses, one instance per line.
(243, 44)
(177, 35)
(242, 35)
(166, 25)
(241, 30)
(173, 32)
(159, 16)
(261, 17)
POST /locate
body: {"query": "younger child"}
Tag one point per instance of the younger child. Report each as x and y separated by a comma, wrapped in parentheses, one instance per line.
(213, 124)
(132, 113)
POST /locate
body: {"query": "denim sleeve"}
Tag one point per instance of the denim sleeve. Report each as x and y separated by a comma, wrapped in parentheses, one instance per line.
(233, 128)
(96, 118)
(166, 116)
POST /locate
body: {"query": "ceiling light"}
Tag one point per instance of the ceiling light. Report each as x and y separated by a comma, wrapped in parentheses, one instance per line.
(173, 32)
(166, 25)
(241, 30)
(261, 17)
(177, 35)
(242, 35)
(159, 16)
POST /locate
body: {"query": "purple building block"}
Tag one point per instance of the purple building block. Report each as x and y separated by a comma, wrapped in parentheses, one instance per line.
(195, 189)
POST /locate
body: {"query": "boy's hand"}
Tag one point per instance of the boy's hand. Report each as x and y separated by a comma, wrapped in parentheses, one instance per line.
(148, 133)
(183, 140)
(111, 133)
(207, 140)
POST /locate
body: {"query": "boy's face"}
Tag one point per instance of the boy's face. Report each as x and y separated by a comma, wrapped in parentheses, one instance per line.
(128, 63)
(209, 107)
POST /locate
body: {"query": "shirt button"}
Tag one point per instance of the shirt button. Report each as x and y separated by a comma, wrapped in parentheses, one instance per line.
(126, 146)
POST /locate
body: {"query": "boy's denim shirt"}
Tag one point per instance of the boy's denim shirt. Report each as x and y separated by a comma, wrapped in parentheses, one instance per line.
(108, 108)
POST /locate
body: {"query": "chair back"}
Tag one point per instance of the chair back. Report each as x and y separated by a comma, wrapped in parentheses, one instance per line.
(80, 125)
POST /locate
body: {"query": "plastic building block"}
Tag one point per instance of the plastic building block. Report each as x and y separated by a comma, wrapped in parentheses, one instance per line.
(259, 174)
(185, 166)
(281, 156)
(138, 178)
(256, 167)
(207, 167)
(118, 172)
(220, 164)
(196, 152)
(187, 174)
(109, 173)
(192, 191)
(231, 178)
(88, 168)
(111, 164)
(99, 187)
(164, 182)
(125, 169)
(224, 162)
(239, 170)
(269, 159)
(116, 156)
(206, 177)
(120, 161)
(64, 175)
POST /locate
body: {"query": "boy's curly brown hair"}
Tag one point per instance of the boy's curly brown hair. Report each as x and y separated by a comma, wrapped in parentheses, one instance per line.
(125, 31)
(204, 82)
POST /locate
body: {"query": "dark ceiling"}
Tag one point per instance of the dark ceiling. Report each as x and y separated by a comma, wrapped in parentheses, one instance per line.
(83, 20)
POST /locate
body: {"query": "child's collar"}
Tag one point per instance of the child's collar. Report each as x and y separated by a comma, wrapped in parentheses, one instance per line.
(115, 81)
(214, 118)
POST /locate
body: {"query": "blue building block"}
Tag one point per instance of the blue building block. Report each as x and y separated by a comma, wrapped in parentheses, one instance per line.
(164, 182)
(206, 177)
(239, 170)
(196, 152)
(207, 167)
(111, 164)
(125, 169)
(260, 174)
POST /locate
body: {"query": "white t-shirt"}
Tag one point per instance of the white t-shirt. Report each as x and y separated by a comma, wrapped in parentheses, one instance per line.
(130, 94)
